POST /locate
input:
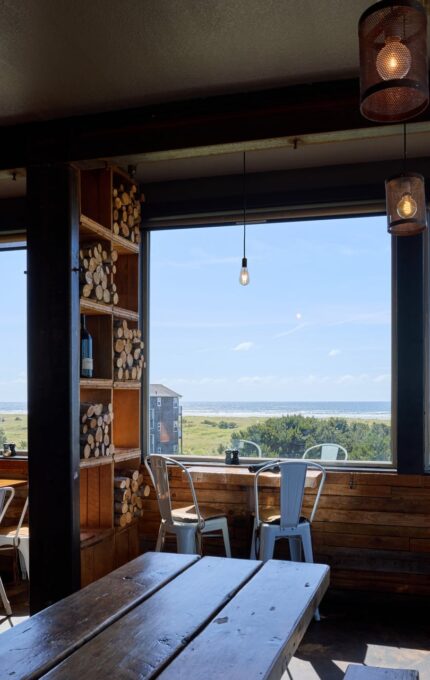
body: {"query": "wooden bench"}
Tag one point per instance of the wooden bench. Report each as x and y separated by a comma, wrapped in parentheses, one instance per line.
(372, 673)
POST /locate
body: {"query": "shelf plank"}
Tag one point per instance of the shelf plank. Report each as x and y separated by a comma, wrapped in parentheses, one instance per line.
(121, 455)
(127, 385)
(92, 307)
(89, 226)
(95, 462)
(96, 383)
(127, 314)
(123, 245)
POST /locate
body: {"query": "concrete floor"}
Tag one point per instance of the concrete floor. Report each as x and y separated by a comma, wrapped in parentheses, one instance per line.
(376, 630)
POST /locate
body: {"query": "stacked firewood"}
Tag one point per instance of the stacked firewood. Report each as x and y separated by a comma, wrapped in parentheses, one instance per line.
(95, 432)
(97, 269)
(128, 351)
(129, 491)
(126, 212)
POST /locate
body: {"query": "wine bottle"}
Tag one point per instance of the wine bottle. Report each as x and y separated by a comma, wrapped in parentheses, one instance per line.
(86, 351)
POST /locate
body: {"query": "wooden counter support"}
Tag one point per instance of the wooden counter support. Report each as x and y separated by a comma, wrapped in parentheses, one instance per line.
(53, 382)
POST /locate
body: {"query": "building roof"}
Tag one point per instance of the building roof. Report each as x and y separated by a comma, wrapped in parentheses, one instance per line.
(157, 390)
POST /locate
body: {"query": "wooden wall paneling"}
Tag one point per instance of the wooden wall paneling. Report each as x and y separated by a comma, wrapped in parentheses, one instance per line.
(53, 380)
(373, 529)
(103, 557)
(121, 546)
(11, 468)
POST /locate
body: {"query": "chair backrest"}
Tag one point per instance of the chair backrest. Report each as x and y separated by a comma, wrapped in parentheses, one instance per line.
(240, 443)
(6, 495)
(292, 488)
(328, 452)
(160, 478)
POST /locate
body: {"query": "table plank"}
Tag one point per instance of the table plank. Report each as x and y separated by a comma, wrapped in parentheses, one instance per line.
(373, 673)
(32, 648)
(241, 475)
(259, 630)
(142, 642)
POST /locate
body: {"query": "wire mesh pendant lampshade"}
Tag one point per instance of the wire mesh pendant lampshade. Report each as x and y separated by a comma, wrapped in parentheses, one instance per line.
(406, 204)
(393, 61)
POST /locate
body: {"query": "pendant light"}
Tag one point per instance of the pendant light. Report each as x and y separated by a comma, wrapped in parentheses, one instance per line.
(393, 61)
(244, 274)
(406, 201)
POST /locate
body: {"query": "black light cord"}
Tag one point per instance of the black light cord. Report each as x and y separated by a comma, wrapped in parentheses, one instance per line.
(244, 205)
(404, 148)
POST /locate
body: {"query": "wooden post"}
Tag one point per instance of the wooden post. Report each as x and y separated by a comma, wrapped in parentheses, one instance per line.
(409, 353)
(53, 382)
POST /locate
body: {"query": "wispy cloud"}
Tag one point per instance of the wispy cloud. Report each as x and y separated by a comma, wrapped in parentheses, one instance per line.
(243, 347)
(384, 377)
(334, 352)
(284, 334)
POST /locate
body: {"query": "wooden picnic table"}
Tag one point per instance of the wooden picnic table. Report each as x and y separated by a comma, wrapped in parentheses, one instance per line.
(177, 617)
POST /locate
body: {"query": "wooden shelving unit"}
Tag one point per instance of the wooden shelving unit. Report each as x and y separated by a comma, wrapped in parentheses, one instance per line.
(112, 545)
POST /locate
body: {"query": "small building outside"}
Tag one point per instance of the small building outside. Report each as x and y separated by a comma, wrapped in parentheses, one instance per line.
(165, 417)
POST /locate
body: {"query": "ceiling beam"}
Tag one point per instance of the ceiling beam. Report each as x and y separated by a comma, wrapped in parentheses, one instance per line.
(228, 119)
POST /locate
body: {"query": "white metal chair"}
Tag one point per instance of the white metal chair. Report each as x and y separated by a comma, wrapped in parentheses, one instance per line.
(187, 523)
(6, 495)
(18, 537)
(240, 444)
(328, 452)
(270, 525)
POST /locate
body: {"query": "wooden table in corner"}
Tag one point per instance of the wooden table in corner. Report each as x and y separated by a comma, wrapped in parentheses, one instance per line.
(175, 617)
(12, 482)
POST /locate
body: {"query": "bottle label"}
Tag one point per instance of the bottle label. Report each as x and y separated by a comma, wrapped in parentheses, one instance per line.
(87, 364)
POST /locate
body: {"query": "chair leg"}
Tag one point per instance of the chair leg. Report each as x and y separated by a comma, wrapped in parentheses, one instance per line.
(24, 556)
(160, 539)
(253, 555)
(186, 540)
(226, 539)
(267, 544)
(295, 544)
(5, 600)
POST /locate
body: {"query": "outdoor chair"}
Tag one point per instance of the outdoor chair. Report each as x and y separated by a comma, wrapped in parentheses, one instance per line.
(6, 495)
(328, 452)
(18, 537)
(187, 523)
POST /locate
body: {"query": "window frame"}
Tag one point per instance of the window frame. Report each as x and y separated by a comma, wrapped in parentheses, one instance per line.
(403, 460)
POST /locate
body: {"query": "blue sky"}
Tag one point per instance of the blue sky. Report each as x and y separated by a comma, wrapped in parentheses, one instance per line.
(13, 335)
(313, 324)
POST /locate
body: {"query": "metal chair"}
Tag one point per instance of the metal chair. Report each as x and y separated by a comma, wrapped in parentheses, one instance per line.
(328, 452)
(240, 444)
(188, 523)
(6, 495)
(18, 537)
(270, 526)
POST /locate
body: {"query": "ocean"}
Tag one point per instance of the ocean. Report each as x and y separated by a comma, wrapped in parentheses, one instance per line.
(375, 410)
(13, 407)
(366, 410)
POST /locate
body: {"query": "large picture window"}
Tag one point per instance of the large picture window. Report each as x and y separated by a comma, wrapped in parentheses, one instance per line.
(13, 354)
(299, 357)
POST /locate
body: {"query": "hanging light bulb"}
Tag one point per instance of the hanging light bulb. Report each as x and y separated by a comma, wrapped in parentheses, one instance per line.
(394, 60)
(244, 273)
(407, 206)
(406, 201)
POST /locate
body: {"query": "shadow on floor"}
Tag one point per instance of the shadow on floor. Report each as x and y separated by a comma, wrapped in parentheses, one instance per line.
(365, 628)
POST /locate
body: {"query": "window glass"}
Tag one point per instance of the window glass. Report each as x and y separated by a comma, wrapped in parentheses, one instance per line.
(13, 350)
(300, 357)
